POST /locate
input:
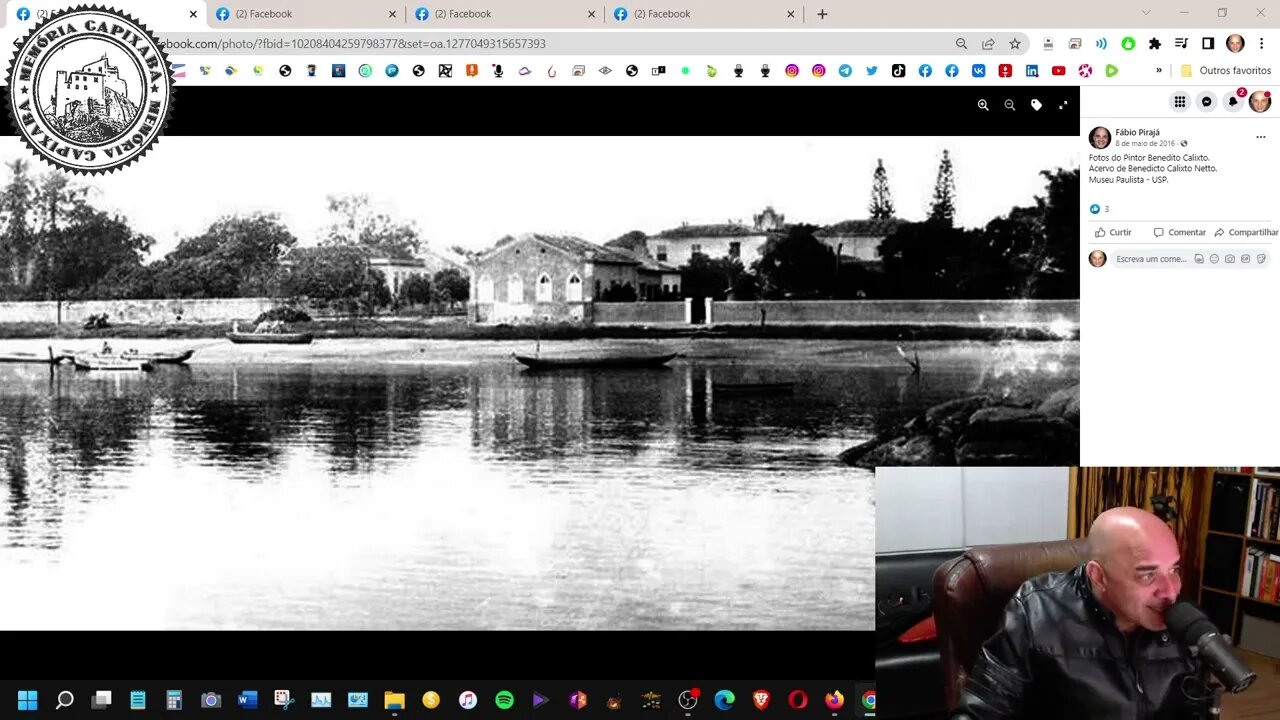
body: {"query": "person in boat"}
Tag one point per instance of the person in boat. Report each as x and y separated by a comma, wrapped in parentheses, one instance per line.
(106, 348)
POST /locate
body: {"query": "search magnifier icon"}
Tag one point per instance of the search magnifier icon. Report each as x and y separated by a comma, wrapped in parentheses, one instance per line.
(960, 44)
(1008, 105)
(65, 698)
(982, 104)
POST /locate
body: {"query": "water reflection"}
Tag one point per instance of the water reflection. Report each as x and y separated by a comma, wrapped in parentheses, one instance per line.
(480, 495)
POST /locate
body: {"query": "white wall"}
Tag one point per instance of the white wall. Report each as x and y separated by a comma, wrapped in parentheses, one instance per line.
(937, 508)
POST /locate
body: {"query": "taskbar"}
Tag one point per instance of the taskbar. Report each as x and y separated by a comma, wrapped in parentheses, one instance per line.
(453, 699)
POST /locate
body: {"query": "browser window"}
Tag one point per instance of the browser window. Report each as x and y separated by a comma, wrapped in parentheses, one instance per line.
(391, 319)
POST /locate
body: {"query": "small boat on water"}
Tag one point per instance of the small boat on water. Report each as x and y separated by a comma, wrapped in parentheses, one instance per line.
(171, 358)
(45, 358)
(770, 388)
(611, 362)
(110, 362)
(265, 338)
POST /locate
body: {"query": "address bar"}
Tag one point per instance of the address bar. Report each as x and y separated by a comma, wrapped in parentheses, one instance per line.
(592, 42)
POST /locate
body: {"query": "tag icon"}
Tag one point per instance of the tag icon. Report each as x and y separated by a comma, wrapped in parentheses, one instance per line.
(761, 699)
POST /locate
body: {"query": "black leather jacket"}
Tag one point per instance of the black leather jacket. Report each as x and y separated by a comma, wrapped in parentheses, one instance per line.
(1059, 654)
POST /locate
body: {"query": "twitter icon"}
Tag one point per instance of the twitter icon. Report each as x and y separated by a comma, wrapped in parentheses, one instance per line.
(871, 69)
(846, 70)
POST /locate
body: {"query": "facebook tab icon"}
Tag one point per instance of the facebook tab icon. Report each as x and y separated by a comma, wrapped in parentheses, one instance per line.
(620, 14)
(979, 70)
(926, 70)
(222, 14)
(422, 14)
(953, 70)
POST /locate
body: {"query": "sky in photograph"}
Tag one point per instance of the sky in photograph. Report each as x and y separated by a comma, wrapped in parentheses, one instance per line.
(470, 191)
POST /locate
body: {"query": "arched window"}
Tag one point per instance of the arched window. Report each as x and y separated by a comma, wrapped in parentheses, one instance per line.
(515, 289)
(544, 288)
(485, 291)
(573, 288)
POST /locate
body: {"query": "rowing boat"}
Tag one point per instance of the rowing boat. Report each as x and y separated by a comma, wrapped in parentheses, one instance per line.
(240, 338)
(595, 361)
(110, 362)
(29, 357)
(171, 358)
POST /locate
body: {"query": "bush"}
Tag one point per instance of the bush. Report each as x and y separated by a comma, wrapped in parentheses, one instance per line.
(284, 313)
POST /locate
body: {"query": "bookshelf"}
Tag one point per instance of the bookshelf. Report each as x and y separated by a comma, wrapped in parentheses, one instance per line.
(1231, 537)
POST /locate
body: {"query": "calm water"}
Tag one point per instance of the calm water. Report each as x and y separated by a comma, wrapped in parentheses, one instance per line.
(457, 495)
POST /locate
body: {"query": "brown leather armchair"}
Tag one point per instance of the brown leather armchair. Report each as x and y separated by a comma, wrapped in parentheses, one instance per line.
(971, 591)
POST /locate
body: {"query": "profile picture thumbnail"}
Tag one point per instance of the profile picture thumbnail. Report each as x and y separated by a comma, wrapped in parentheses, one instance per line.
(1235, 43)
(1097, 258)
(1100, 137)
(1260, 101)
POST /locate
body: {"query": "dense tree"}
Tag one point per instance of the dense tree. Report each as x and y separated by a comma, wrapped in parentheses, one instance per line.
(943, 208)
(1027, 253)
(881, 199)
(451, 286)
(236, 256)
(704, 277)
(339, 277)
(415, 290)
(795, 265)
(357, 224)
(88, 247)
(17, 243)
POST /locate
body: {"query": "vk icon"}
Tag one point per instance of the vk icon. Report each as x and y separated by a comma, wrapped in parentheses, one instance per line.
(724, 700)
(24, 14)
(846, 70)
(422, 14)
(979, 70)
(953, 70)
(620, 14)
(926, 70)
(223, 14)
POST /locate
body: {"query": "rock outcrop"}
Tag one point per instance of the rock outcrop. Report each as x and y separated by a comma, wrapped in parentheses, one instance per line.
(981, 430)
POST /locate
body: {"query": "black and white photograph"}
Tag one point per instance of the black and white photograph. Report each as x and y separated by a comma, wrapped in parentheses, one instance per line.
(564, 383)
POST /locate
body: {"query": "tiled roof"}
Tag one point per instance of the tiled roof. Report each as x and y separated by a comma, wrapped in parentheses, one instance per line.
(573, 246)
(869, 226)
(719, 230)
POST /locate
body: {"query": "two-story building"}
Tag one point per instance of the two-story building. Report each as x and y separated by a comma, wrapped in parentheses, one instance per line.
(675, 246)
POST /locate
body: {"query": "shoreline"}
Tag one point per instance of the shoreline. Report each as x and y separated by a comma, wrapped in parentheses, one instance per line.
(454, 330)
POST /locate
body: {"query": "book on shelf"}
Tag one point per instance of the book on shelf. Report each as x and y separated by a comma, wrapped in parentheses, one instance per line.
(1264, 511)
(1261, 575)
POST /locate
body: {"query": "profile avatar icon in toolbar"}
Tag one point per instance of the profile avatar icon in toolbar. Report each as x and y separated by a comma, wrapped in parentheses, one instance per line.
(1260, 101)
(1235, 43)
(1100, 138)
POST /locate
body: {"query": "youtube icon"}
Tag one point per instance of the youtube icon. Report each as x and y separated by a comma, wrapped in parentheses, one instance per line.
(1059, 69)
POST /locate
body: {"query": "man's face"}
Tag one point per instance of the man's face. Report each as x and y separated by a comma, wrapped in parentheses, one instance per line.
(1235, 44)
(1100, 138)
(1096, 258)
(1142, 581)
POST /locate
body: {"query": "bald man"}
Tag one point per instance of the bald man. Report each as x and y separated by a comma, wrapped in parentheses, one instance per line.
(1090, 642)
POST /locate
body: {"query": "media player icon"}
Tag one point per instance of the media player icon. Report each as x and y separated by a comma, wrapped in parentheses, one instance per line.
(539, 699)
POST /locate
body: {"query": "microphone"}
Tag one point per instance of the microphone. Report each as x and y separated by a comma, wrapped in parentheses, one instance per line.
(1193, 628)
